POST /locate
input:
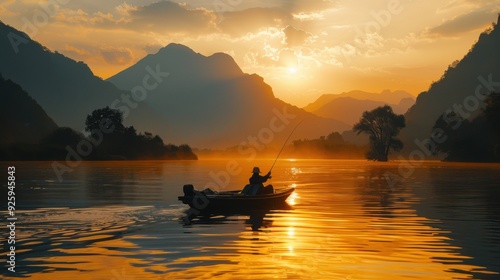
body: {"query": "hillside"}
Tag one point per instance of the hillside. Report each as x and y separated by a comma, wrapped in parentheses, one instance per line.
(21, 118)
(66, 89)
(461, 88)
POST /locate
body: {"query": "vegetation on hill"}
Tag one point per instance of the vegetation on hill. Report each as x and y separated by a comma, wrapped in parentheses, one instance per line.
(476, 140)
(21, 117)
(120, 142)
(478, 72)
(331, 146)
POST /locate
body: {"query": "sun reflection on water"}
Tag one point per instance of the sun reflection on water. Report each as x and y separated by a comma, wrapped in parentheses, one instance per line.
(292, 199)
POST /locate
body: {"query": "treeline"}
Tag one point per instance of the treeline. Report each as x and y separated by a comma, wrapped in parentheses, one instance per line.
(330, 146)
(475, 140)
(107, 139)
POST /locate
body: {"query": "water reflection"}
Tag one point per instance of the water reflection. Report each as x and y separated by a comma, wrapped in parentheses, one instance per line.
(124, 222)
(465, 199)
(256, 217)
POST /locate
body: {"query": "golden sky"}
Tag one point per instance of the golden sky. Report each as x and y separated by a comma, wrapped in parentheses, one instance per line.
(302, 48)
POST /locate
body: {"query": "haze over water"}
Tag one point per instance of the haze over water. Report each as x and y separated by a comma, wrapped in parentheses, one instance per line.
(122, 220)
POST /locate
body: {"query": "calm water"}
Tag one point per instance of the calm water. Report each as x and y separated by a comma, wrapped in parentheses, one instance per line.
(122, 220)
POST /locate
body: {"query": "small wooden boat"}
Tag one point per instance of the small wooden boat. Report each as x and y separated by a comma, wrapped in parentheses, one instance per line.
(208, 200)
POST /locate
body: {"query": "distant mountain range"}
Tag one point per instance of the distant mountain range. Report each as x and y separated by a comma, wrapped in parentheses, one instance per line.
(349, 106)
(386, 96)
(461, 88)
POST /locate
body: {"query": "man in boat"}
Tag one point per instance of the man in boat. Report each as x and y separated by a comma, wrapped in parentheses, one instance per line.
(258, 182)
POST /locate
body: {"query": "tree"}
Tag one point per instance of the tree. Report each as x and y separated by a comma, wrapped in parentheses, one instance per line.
(382, 125)
(107, 120)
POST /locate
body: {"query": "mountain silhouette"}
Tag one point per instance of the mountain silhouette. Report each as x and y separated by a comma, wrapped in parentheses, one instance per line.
(66, 89)
(21, 118)
(478, 72)
(210, 102)
(349, 110)
(386, 96)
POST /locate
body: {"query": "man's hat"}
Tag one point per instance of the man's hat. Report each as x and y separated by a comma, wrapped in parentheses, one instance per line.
(256, 170)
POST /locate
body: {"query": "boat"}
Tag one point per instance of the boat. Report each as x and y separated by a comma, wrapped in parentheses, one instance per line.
(237, 200)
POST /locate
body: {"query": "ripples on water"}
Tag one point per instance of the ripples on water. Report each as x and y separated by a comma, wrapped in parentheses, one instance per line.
(122, 221)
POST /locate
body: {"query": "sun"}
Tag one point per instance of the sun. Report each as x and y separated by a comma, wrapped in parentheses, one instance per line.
(292, 70)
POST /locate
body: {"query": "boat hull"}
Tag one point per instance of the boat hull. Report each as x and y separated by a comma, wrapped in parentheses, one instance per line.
(234, 201)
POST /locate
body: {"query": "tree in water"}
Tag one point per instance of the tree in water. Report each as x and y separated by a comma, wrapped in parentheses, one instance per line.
(382, 125)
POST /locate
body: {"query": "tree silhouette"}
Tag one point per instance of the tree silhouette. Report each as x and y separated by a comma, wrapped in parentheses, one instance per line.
(120, 142)
(382, 125)
(106, 119)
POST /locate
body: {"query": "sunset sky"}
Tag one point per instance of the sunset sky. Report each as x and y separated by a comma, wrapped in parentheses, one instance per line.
(302, 48)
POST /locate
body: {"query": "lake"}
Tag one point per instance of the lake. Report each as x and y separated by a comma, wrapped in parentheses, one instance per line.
(348, 219)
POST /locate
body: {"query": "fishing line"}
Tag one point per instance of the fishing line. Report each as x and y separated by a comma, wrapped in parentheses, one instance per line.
(285, 144)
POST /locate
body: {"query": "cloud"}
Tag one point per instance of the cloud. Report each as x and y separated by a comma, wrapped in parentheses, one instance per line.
(164, 17)
(302, 16)
(295, 37)
(75, 52)
(152, 48)
(5, 8)
(171, 17)
(116, 56)
(239, 23)
(307, 6)
(464, 23)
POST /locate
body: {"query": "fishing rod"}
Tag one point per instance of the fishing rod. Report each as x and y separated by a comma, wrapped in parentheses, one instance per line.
(284, 145)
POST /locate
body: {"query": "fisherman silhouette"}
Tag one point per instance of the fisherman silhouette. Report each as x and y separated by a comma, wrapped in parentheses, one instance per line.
(257, 181)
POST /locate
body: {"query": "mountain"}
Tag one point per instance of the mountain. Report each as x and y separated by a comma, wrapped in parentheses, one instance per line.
(461, 88)
(21, 118)
(386, 96)
(349, 110)
(208, 101)
(67, 90)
